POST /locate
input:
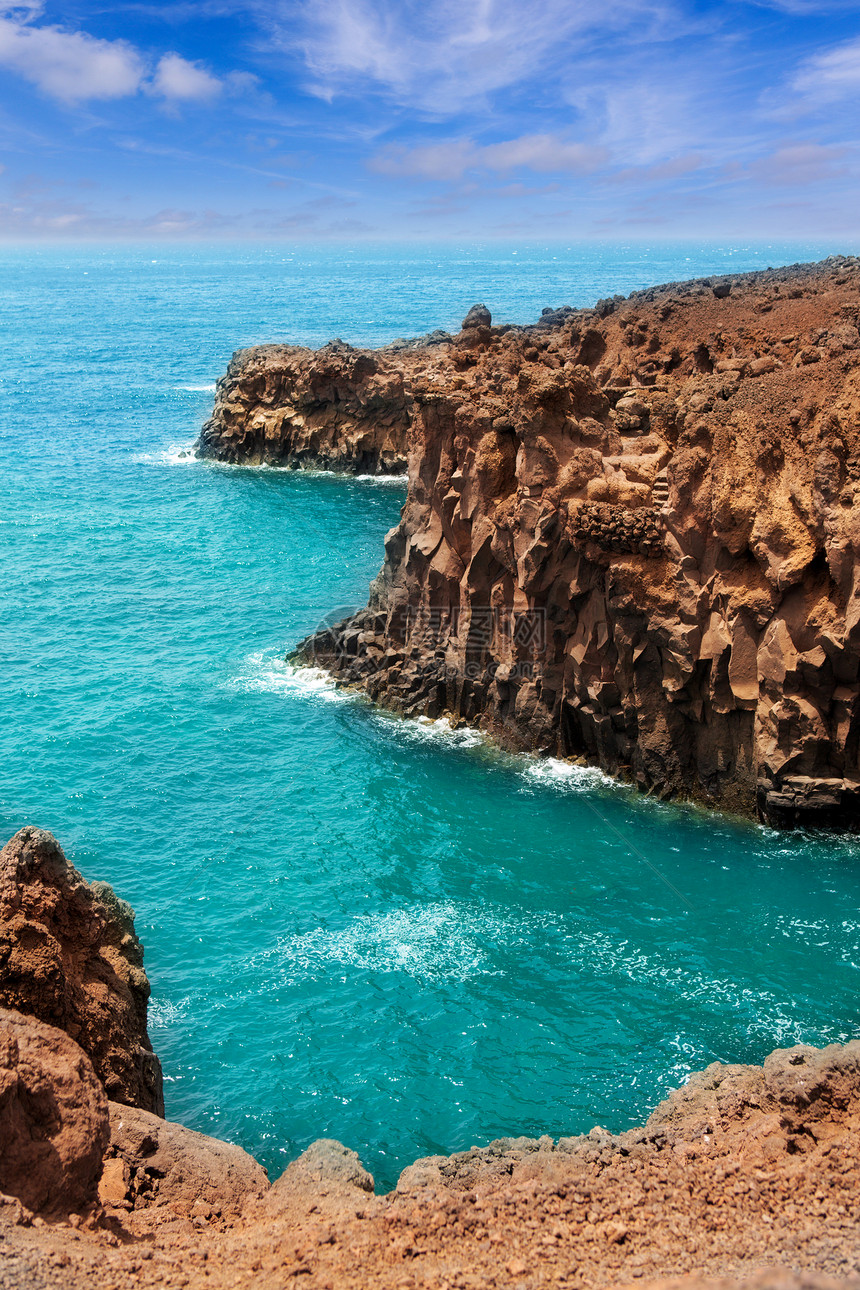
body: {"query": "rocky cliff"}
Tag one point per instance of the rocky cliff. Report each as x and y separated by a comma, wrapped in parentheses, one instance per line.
(334, 409)
(69, 956)
(632, 536)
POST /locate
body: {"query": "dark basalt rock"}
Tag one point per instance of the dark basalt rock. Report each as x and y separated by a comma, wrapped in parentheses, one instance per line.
(478, 316)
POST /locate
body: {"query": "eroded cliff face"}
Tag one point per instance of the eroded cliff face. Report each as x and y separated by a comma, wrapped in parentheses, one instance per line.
(334, 409)
(632, 535)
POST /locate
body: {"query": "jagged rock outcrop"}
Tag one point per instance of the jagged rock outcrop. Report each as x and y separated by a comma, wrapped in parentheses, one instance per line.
(69, 956)
(632, 535)
(326, 1170)
(53, 1118)
(336, 409)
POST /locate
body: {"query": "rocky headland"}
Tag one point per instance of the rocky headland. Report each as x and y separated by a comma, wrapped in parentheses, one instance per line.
(746, 1175)
(631, 534)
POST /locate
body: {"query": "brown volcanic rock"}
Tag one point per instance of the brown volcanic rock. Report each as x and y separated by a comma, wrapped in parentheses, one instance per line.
(801, 1097)
(747, 1176)
(632, 535)
(152, 1161)
(325, 1169)
(53, 1117)
(69, 956)
(337, 409)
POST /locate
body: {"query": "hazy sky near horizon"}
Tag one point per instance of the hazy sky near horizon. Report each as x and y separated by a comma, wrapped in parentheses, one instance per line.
(430, 118)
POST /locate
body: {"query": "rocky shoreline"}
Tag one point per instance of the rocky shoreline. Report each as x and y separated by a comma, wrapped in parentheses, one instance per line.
(630, 535)
(745, 1175)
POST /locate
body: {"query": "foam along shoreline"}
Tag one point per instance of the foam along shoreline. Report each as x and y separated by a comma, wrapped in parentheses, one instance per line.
(269, 672)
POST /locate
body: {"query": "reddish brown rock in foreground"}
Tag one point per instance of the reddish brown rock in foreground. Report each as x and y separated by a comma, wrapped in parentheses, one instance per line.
(746, 1176)
(632, 533)
(53, 1118)
(70, 957)
(153, 1162)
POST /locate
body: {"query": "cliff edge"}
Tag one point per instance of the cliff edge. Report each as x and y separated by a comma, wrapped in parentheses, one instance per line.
(631, 534)
(69, 956)
(747, 1174)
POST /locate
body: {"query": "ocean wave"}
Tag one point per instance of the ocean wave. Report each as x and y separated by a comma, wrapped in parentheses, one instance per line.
(197, 389)
(397, 480)
(552, 772)
(430, 729)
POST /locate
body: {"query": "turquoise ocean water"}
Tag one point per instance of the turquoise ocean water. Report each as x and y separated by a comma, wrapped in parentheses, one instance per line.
(355, 927)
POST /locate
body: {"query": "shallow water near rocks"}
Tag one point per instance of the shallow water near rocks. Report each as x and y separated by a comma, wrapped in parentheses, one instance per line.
(357, 927)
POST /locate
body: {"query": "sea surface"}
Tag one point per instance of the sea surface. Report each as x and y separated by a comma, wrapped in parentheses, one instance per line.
(356, 926)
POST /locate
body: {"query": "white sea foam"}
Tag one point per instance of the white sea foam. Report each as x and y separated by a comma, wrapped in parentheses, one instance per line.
(442, 942)
(552, 772)
(196, 389)
(270, 674)
(176, 454)
(429, 729)
(163, 1013)
(399, 480)
(459, 941)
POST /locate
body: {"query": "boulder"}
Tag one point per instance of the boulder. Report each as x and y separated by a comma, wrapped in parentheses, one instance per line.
(478, 316)
(152, 1161)
(69, 955)
(326, 1169)
(53, 1118)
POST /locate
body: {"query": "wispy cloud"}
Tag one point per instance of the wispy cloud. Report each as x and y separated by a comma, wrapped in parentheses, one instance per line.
(451, 159)
(438, 56)
(796, 165)
(829, 75)
(806, 8)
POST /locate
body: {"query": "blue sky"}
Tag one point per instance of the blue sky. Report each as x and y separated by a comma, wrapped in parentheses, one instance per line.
(442, 118)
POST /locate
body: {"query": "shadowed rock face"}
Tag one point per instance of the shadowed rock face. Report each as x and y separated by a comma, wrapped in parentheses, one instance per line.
(53, 1117)
(70, 957)
(632, 536)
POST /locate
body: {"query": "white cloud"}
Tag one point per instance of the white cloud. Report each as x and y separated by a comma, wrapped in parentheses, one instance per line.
(449, 160)
(441, 55)
(176, 78)
(73, 66)
(830, 74)
(68, 65)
